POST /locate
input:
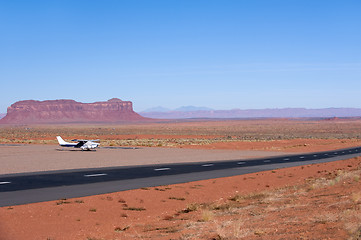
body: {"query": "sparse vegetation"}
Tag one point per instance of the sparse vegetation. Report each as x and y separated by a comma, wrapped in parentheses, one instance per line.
(207, 215)
(340, 176)
(162, 189)
(119, 229)
(194, 133)
(170, 229)
(288, 209)
(192, 207)
(244, 215)
(177, 198)
(62, 201)
(266, 205)
(134, 208)
(237, 215)
(356, 197)
(253, 196)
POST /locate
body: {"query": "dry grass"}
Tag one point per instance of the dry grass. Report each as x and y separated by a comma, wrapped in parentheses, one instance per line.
(134, 208)
(282, 213)
(356, 197)
(177, 198)
(341, 176)
(207, 215)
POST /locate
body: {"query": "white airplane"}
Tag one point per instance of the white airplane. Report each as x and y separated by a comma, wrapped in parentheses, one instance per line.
(80, 143)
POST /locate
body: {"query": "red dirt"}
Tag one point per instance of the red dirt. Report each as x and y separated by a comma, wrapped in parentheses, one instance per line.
(292, 145)
(157, 212)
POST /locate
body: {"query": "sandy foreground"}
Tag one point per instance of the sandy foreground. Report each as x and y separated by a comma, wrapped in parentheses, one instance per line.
(319, 201)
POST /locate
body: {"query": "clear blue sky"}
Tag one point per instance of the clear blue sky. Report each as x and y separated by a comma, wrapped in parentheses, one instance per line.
(219, 54)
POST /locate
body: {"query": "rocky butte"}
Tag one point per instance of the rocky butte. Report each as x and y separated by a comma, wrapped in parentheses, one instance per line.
(70, 111)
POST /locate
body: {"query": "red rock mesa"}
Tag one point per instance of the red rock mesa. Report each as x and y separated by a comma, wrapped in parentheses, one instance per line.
(70, 111)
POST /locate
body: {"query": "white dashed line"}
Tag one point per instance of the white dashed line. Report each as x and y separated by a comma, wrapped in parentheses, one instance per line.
(161, 169)
(267, 161)
(335, 153)
(241, 163)
(207, 165)
(302, 157)
(95, 175)
(315, 155)
(4, 183)
(286, 159)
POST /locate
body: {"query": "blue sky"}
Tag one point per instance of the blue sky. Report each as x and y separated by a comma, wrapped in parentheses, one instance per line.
(219, 54)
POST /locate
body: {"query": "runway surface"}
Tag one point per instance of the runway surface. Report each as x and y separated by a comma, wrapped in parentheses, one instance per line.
(22, 188)
(39, 158)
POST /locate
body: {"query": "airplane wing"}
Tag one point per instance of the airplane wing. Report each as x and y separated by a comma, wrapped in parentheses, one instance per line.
(81, 142)
(85, 140)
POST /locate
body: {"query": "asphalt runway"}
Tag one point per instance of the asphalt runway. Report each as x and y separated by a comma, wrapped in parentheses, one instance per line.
(23, 188)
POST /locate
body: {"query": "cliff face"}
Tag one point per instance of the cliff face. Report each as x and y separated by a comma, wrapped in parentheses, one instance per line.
(70, 111)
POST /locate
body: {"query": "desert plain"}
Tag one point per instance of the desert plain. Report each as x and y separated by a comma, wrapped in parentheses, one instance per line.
(318, 201)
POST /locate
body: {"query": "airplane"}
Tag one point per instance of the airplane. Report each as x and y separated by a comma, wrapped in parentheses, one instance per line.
(81, 143)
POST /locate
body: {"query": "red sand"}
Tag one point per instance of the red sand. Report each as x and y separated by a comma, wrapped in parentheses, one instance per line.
(147, 213)
(293, 145)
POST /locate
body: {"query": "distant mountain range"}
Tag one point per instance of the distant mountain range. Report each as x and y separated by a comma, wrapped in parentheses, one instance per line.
(203, 112)
(192, 109)
(187, 112)
(157, 109)
(180, 109)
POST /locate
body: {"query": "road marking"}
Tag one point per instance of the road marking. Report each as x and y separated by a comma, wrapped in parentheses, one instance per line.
(4, 183)
(207, 165)
(286, 159)
(335, 153)
(95, 175)
(241, 162)
(302, 157)
(267, 161)
(161, 169)
(315, 155)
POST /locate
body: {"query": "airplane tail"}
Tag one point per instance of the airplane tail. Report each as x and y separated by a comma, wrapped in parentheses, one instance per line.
(60, 140)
